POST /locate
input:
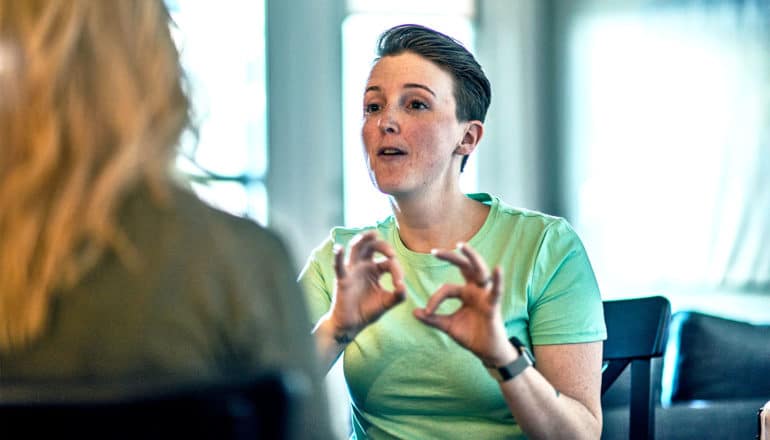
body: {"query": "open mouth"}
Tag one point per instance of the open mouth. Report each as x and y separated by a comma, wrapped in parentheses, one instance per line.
(390, 151)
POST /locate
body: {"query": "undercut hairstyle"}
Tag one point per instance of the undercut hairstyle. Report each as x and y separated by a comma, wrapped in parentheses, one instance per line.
(472, 90)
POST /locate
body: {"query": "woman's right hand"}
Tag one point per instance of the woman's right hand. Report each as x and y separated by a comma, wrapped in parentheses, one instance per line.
(359, 298)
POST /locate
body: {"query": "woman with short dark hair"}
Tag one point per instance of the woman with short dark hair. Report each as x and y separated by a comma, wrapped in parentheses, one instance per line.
(437, 307)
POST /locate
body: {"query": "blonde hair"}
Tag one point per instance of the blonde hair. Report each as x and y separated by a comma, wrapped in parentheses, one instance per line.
(91, 105)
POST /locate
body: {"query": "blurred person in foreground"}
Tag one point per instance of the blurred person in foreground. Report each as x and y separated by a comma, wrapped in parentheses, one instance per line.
(108, 270)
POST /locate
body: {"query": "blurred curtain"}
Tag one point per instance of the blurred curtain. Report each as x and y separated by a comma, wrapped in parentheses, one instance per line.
(667, 141)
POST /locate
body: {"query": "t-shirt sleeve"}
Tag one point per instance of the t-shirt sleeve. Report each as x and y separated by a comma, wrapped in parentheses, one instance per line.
(317, 281)
(565, 304)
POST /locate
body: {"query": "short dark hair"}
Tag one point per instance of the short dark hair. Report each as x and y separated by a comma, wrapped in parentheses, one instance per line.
(472, 90)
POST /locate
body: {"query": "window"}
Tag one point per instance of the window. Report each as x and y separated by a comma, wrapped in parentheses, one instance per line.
(668, 130)
(222, 50)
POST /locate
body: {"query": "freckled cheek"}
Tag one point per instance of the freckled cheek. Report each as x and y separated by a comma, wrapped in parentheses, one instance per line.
(423, 139)
(369, 133)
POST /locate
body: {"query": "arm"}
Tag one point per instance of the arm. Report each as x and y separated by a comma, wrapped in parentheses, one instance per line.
(559, 399)
(331, 340)
(572, 369)
(358, 299)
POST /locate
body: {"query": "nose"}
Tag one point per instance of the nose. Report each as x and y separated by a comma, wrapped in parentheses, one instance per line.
(387, 122)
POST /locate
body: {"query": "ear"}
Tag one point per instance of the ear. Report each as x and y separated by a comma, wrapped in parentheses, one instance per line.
(474, 130)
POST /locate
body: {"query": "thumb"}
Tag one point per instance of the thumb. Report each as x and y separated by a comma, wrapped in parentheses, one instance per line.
(390, 299)
(440, 322)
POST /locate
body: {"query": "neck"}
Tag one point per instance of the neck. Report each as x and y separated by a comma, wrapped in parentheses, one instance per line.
(437, 222)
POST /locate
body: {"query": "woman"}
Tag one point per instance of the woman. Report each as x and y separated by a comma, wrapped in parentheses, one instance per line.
(418, 322)
(108, 271)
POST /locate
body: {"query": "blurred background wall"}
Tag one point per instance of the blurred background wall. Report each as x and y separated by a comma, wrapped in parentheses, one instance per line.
(646, 123)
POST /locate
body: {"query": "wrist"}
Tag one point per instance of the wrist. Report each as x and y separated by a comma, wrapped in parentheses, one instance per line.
(502, 357)
(503, 352)
(340, 334)
(343, 337)
(512, 368)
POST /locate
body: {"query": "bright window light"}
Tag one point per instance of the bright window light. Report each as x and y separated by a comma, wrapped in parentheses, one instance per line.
(223, 53)
(664, 116)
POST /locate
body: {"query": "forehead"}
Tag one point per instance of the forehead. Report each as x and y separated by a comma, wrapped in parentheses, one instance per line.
(410, 68)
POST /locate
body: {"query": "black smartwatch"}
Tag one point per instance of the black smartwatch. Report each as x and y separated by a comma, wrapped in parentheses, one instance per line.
(509, 371)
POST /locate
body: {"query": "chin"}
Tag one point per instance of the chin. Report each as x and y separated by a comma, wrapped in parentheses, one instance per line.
(388, 186)
(393, 192)
(386, 190)
(382, 187)
(392, 186)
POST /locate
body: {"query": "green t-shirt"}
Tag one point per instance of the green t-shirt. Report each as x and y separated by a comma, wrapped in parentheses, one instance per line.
(410, 381)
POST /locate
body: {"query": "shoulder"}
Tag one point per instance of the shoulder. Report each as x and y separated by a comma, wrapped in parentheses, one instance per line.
(531, 222)
(528, 215)
(342, 236)
(181, 227)
(321, 259)
(207, 221)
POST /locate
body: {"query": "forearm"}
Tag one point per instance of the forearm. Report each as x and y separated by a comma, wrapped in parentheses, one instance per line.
(330, 342)
(544, 413)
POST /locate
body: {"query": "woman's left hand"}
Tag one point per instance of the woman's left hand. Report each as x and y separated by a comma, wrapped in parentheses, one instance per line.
(478, 324)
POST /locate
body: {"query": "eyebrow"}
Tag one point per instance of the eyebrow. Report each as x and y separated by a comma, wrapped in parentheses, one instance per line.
(406, 86)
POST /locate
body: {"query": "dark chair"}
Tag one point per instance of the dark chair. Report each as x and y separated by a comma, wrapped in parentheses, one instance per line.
(262, 407)
(637, 330)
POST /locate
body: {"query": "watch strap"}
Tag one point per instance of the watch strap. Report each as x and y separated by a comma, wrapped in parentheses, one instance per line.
(514, 368)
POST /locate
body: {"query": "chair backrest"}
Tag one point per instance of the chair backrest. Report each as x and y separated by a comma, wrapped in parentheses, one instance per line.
(637, 330)
(262, 407)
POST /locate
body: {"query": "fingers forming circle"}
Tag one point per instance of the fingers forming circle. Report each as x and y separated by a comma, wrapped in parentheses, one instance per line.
(481, 275)
(484, 283)
(361, 246)
(339, 262)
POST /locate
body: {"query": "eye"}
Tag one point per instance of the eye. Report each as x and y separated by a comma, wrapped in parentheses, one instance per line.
(417, 105)
(371, 108)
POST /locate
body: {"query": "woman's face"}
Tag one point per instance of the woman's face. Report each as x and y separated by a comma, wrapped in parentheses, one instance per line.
(410, 131)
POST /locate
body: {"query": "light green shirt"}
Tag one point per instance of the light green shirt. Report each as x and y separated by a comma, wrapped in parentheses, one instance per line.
(410, 381)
